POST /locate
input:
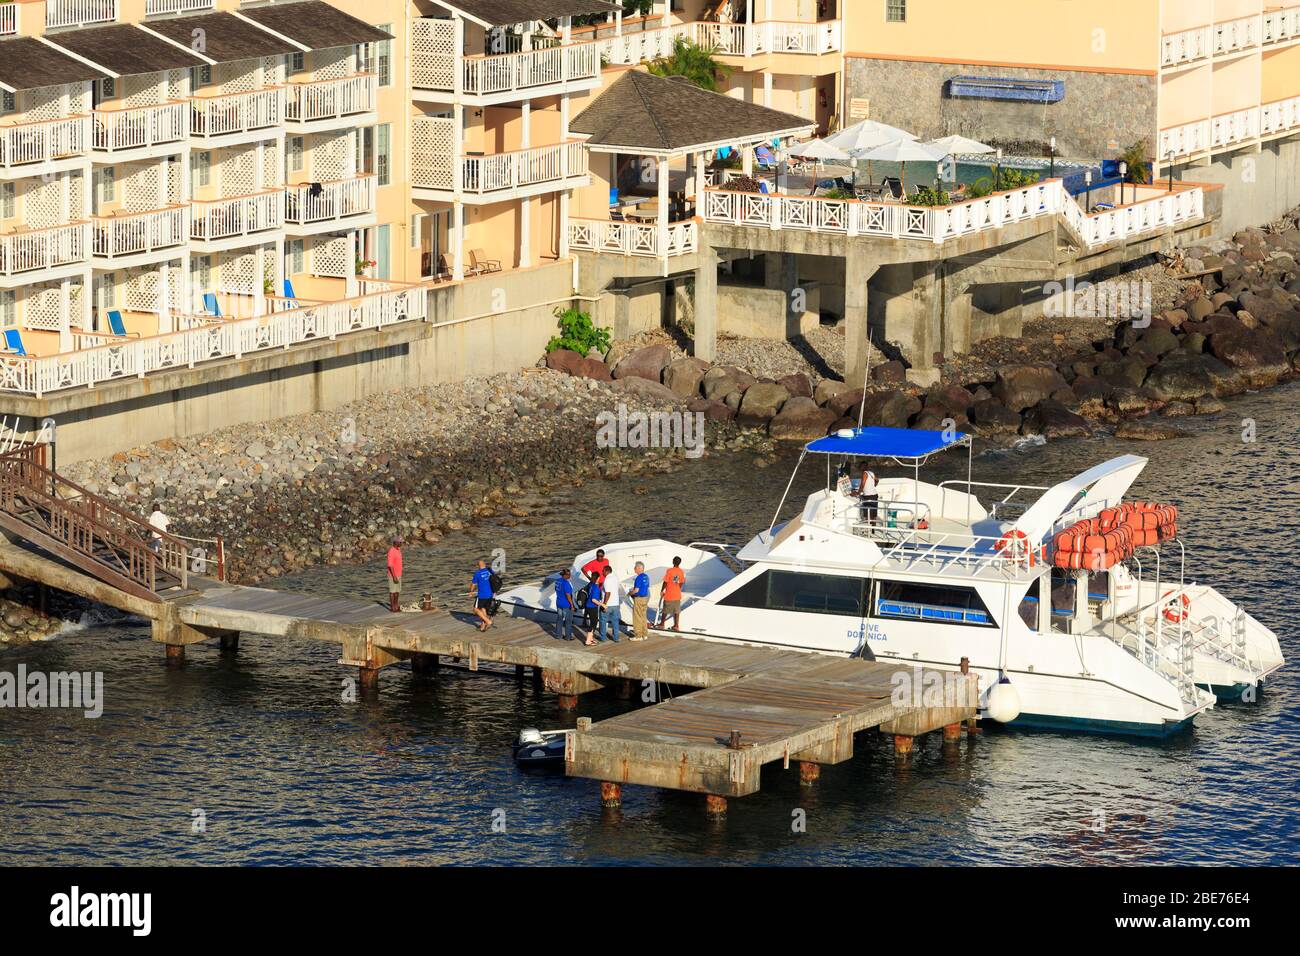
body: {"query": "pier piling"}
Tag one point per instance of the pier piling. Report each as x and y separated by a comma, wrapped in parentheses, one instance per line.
(903, 745)
(175, 653)
(611, 794)
(230, 642)
(809, 773)
(715, 807)
(424, 666)
(951, 733)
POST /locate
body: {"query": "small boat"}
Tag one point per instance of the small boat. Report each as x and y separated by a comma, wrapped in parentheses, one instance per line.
(537, 748)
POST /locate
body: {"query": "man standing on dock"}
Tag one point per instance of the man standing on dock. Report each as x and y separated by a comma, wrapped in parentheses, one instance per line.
(599, 565)
(640, 601)
(395, 576)
(670, 594)
(564, 607)
(611, 598)
(481, 587)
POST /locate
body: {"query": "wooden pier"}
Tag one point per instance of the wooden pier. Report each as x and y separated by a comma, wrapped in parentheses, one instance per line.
(750, 706)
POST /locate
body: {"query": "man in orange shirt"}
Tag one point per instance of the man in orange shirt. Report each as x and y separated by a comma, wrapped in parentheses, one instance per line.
(395, 576)
(670, 594)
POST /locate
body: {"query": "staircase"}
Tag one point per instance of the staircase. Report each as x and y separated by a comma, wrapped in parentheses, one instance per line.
(86, 530)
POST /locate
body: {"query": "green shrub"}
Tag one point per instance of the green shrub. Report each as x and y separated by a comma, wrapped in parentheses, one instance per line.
(578, 333)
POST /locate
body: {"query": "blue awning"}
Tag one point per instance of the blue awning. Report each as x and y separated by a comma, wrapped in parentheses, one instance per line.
(878, 442)
(1006, 88)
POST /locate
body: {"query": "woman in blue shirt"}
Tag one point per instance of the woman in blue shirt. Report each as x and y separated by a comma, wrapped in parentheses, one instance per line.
(591, 610)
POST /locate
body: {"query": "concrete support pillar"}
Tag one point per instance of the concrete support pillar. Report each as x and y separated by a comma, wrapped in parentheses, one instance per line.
(230, 643)
(662, 178)
(781, 271)
(957, 322)
(706, 305)
(715, 807)
(526, 204)
(903, 745)
(809, 773)
(368, 679)
(951, 733)
(611, 794)
(857, 328)
(175, 653)
(927, 318)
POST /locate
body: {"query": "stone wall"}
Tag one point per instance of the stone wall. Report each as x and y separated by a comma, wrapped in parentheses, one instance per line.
(1098, 109)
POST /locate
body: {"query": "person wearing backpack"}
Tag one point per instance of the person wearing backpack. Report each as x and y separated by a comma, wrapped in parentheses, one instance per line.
(591, 608)
(481, 587)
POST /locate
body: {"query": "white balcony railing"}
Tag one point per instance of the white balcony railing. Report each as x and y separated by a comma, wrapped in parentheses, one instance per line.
(79, 13)
(938, 224)
(158, 8)
(213, 341)
(1230, 130)
(233, 113)
(34, 250)
(1186, 46)
(308, 101)
(770, 36)
(1188, 139)
(8, 19)
(43, 142)
(141, 128)
(643, 45)
(523, 167)
(1233, 129)
(1281, 25)
(526, 71)
(633, 238)
(333, 201)
(215, 219)
(1233, 36)
(133, 233)
(1279, 117)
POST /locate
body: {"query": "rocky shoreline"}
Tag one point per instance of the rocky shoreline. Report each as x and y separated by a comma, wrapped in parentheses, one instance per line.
(334, 487)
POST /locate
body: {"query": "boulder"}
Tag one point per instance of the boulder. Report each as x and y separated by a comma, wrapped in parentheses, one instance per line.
(684, 376)
(563, 360)
(1053, 420)
(1158, 341)
(845, 402)
(1023, 386)
(1181, 377)
(893, 409)
(892, 372)
(1130, 370)
(1143, 429)
(992, 417)
(951, 399)
(717, 382)
(646, 389)
(797, 384)
(648, 362)
(828, 388)
(593, 368)
(712, 411)
(1256, 351)
(761, 403)
(800, 419)
(935, 419)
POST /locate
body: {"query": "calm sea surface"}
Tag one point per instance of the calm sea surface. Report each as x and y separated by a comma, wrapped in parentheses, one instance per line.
(284, 771)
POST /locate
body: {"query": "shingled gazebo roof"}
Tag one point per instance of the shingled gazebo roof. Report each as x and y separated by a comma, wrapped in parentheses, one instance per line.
(658, 115)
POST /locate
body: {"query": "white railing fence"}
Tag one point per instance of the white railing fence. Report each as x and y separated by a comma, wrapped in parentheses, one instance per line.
(44, 141)
(524, 167)
(157, 8)
(239, 216)
(141, 128)
(77, 13)
(633, 238)
(9, 19)
(138, 357)
(34, 250)
(340, 199)
(311, 100)
(236, 112)
(1229, 130)
(129, 234)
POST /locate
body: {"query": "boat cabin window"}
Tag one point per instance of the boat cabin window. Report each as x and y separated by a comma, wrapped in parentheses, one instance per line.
(1028, 609)
(933, 603)
(797, 591)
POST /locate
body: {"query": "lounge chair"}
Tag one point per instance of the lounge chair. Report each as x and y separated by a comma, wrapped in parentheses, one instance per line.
(765, 158)
(14, 341)
(480, 263)
(117, 326)
(211, 305)
(288, 290)
(445, 270)
(893, 186)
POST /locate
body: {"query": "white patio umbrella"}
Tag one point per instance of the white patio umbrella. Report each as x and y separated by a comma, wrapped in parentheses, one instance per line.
(819, 150)
(902, 151)
(867, 134)
(952, 145)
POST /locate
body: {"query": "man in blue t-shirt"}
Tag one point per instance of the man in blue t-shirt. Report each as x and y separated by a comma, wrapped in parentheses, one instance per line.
(481, 587)
(640, 601)
(564, 607)
(591, 609)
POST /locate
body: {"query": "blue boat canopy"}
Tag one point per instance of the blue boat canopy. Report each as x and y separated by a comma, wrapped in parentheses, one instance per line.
(877, 442)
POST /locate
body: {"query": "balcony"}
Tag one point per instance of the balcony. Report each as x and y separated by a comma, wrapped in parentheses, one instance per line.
(51, 252)
(142, 133)
(437, 74)
(1281, 26)
(78, 13)
(493, 177)
(49, 144)
(234, 118)
(139, 238)
(220, 224)
(770, 36)
(641, 239)
(342, 204)
(160, 8)
(8, 19)
(323, 105)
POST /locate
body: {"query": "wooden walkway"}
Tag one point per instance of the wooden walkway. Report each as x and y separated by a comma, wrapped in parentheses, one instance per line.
(756, 705)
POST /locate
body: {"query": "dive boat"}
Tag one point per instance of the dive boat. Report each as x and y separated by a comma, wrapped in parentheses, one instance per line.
(1070, 603)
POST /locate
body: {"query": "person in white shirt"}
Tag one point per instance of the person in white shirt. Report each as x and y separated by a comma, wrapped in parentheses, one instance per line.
(609, 608)
(869, 494)
(159, 521)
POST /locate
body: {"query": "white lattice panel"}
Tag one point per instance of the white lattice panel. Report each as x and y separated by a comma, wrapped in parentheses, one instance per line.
(140, 191)
(44, 103)
(433, 146)
(141, 293)
(175, 84)
(238, 173)
(268, 264)
(271, 166)
(332, 64)
(433, 49)
(237, 77)
(140, 90)
(174, 184)
(42, 202)
(76, 296)
(43, 308)
(272, 70)
(76, 196)
(79, 98)
(329, 158)
(238, 274)
(331, 256)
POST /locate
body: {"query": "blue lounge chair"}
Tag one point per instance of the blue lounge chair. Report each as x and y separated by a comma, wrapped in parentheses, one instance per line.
(211, 305)
(288, 290)
(765, 158)
(14, 342)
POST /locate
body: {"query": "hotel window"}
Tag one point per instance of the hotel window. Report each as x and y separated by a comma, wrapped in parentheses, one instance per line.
(383, 256)
(416, 222)
(106, 187)
(296, 256)
(8, 307)
(384, 58)
(200, 76)
(102, 90)
(383, 154)
(295, 154)
(202, 266)
(297, 63)
(8, 102)
(6, 201)
(200, 169)
(896, 11)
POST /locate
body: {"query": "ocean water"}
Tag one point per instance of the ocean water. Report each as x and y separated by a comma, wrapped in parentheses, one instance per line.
(263, 750)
